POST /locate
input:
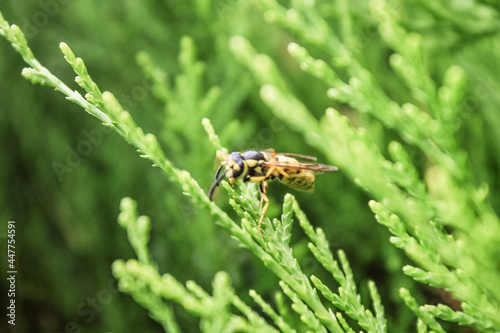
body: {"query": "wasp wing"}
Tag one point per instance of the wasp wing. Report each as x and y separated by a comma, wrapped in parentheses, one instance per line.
(305, 157)
(300, 165)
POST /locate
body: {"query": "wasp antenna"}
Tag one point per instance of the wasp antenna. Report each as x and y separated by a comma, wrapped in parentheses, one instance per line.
(218, 170)
(216, 182)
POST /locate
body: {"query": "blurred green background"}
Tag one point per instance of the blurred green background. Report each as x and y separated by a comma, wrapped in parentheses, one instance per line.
(64, 174)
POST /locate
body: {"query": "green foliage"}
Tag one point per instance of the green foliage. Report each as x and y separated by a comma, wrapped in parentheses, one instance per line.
(407, 121)
(142, 281)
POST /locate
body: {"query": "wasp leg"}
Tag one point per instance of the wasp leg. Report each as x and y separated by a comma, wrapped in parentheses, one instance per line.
(267, 176)
(274, 169)
(270, 172)
(255, 179)
(283, 173)
(263, 197)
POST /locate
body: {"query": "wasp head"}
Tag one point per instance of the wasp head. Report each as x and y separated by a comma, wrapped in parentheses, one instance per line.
(235, 168)
(239, 166)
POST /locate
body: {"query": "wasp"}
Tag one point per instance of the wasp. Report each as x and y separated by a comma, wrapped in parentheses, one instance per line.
(262, 166)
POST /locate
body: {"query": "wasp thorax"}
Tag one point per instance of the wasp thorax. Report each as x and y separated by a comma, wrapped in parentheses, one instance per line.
(253, 155)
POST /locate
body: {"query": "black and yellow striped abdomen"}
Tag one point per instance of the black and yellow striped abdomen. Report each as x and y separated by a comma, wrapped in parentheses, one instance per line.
(302, 180)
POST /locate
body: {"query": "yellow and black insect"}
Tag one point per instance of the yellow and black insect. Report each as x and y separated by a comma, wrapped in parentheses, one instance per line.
(261, 166)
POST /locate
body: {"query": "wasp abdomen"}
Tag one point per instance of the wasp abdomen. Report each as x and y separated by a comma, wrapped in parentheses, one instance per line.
(302, 181)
